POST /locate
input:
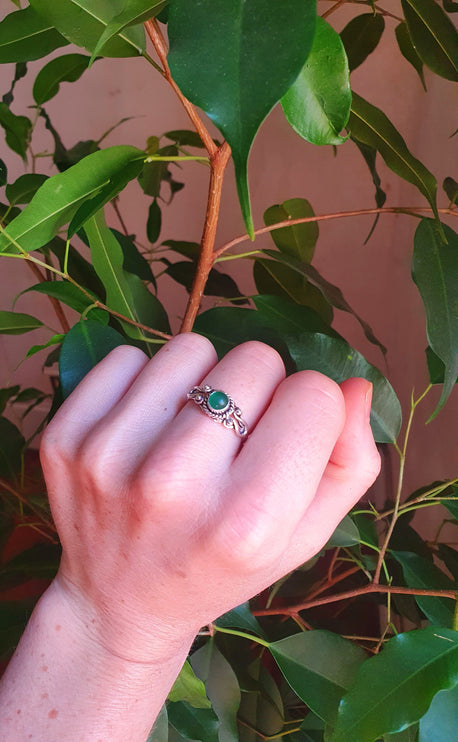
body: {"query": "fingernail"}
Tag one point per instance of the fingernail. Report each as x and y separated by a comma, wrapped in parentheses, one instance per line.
(368, 400)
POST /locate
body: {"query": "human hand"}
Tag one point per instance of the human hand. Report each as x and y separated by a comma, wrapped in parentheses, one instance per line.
(166, 519)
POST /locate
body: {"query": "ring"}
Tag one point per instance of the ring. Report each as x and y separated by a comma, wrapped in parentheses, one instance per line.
(220, 407)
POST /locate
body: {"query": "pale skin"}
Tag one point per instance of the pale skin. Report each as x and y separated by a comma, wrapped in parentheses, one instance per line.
(167, 521)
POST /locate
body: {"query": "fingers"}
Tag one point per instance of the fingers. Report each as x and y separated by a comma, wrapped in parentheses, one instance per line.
(352, 468)
(277, 472)
(199, 448)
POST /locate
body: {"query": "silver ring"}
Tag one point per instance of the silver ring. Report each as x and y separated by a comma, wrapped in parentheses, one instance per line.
(220, 407)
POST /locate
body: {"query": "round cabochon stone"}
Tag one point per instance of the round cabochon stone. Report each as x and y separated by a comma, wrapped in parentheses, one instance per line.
(218, 401)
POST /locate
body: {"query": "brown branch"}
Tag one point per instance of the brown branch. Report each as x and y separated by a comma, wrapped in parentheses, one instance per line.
(115, 206)
(218, 163)
(366, 590)
(326, 217)
(57, 306)
(336, 6)
(154, 32)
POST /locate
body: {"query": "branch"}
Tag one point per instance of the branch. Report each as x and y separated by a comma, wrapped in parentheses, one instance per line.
(325, 217)
(154, 32)
(366, 590)
(218, 164)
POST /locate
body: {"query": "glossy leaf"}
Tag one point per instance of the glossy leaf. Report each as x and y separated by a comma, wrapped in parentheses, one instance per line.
(153, 225)
(439, 722)
(262, 709)
(407, 735)
(185, 138)
(78, 267)
(241, 617)
(54, 340)
(82, 22)
(68, 68)
(199, 725)
(369, 125)
(160, 730)
(17, 130)
(361, 36)
(190, 688)
(436, 367)
(320, 667)
(6, 395)
(3, 174)
(11, 446)
(277, 279)
(83, 347)
(218, 283)
(394, 688)
(433, 36)
(317, 105)
(24, 188)
(20, 71)
(450, 6)
(64, 292)
(298, 240)
(421, 573)
(370, 156)
(222, 688)
(137, 11)
(25, 36)
(15, 323)
(125, 292)
(450, 557)
(331, 292)
(450, 187)
(435, 271)
(408, 50)
(346, 534)
(134, 262)
(335, 358)
(238, 36)
(55, 203)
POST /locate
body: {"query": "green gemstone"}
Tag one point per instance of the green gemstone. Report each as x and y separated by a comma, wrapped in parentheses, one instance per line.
(218, 401)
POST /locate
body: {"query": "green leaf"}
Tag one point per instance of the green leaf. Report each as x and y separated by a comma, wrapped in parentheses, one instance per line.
(25, 36)
(17, 130)
(346, 534)
(450, 557)
(24, 188)
(361, 36)
(68, 68)
(160, 730)
(450, 6)
(137, 11)
(394, 688)
(41, 561)
(222, 688)
(317, 105)
(82, 22)
(408, 50)
(435, 271)
(134, 262)
(184, 138)
(218, 283)
(407, 735)
(65, 292)
(335, 358)
(55, 203)
(433, 36)
(11, 446)
(3, 174)
(83, 347)
(78, 267)
(369, 125)
(14, 323)
(277, 279)
(423, 574)
(450, 187)
(241, 617)
(125, 292)
(238, 37)
(6, 395)
(189, 250)
(190, 688)
(436, 367)
(320, 667)
(439, 722)
(54, 340)
(331, 292)
(299, 240)
(370, 156)
(199, 725)
(153, 225)
(20, 71)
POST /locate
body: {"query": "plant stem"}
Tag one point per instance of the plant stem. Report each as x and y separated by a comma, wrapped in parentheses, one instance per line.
(218, 163)
(56, 305)
(242, 634)
(334, 7)
(381, 556)
(154, 32)
(325, 217)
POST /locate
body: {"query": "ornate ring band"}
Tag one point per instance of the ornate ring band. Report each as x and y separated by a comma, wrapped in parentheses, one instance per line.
(220, 407)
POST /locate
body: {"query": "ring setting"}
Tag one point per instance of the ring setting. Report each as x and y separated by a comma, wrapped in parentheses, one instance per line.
(220, 407)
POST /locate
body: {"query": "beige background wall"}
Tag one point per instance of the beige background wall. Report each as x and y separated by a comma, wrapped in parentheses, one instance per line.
(374, 278)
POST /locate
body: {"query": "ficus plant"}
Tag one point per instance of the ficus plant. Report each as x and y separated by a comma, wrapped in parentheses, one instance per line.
(297, 663)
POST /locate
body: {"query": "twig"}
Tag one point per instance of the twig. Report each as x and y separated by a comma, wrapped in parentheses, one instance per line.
(115, 206)
(218, 163)
(157, 39)
(334, 7)
(326, 217)
(57, 306)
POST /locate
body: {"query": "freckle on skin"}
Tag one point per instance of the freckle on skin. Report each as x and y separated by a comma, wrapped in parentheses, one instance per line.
(18, 711)
(44, 668)
(58, 627)
(44, 695)
(52, 714)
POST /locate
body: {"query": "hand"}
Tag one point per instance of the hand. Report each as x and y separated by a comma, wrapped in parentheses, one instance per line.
(166, 519)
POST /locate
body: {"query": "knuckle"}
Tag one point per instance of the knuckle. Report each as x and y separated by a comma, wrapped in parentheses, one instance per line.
(55, 447)
(195, 344)
(263, 354)
(94, 462)
(328, 394)
(127, 354)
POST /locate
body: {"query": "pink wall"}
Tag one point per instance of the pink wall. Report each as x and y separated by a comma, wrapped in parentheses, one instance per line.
(374, 278)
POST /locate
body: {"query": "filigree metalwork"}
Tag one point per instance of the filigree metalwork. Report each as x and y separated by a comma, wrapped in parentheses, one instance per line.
(230, 416)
